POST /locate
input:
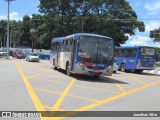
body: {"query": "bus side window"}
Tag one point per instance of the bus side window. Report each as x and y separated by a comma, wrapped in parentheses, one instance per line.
(67, 45)
(61, 46)
(71, 42)
(64, 45)
(119, 53)
(133, 53)
(127, 53)
(70, 45)
(53, 46)
(122, 53)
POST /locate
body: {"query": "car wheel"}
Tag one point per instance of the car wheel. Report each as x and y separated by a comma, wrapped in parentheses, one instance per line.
(114, 71)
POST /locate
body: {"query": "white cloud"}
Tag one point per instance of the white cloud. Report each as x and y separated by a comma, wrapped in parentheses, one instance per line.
(140, 40)
(153, 7)
(13, 16)
(156, 44)
(152, 26)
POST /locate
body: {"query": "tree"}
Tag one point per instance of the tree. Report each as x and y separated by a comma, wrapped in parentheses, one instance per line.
(25, 38)
(155, 34)
(3, 30)
(111, 18)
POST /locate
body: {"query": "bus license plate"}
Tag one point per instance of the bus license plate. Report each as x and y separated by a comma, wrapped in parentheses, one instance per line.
(96, 71)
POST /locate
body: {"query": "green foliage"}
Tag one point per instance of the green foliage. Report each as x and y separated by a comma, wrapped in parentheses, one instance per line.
(155, 34)
(113, 18)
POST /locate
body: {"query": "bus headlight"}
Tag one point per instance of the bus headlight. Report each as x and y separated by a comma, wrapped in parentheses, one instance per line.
(109, 67)
(81, 65)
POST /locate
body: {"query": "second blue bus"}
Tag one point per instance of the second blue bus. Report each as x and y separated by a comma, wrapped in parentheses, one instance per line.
(137, 58)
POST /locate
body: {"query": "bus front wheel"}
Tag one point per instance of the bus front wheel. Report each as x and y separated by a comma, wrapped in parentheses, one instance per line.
(68, 72)
(54, 65)
(123, 68)
(96, 76)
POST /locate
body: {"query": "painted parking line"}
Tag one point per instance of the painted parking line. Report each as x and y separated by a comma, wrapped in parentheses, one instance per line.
(134, 78)
(63, 95)
(119, 86)
(32, 94)
(93, 105)
(96, 104)
(77, 85)
(40, 73)
(75, 96)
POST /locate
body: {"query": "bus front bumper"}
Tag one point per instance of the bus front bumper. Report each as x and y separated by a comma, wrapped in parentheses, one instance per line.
(78, 69)
(145, 68)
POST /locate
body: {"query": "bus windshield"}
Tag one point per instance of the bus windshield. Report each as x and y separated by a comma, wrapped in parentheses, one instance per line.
(95, 49)
(147, 51)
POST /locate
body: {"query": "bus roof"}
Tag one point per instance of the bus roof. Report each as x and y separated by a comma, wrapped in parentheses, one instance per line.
(60, 39)
(121, 47)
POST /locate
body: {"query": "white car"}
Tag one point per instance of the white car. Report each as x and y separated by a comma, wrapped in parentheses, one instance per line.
(115, 66)
(2, 53)
(32, 57)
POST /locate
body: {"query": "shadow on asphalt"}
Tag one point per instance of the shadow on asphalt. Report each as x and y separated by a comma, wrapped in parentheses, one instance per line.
(101, 79)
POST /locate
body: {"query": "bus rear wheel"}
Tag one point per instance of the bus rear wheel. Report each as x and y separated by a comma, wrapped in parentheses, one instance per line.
(123, 68)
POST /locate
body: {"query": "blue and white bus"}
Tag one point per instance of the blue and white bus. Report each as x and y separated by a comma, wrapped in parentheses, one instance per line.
(137, 58)
(83, 53)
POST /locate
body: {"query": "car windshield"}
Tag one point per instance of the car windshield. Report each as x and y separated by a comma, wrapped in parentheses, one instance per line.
(148, 51)
(2, 51)
(95, 49)
(33, 54)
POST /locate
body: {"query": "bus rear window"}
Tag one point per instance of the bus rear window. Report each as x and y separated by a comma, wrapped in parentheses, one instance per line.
(147, 51)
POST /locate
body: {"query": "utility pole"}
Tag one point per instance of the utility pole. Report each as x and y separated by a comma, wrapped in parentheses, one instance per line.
(82, 24)
(7, 44)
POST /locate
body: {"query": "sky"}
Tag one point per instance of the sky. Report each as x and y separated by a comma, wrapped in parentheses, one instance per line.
(147, 11)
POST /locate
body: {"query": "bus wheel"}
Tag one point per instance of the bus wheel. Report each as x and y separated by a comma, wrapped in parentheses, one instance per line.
(96, 76)
(123, 68)
(54, 65)
(138, 71)
(68, 72)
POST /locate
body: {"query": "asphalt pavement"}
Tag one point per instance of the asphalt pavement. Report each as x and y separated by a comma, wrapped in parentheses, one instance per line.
(31, 86)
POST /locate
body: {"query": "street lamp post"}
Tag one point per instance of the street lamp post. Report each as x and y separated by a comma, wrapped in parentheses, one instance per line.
(33, 30)
(4, 42)
(7, 44)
